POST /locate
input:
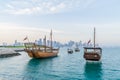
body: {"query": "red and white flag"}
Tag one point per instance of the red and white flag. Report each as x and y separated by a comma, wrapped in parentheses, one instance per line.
(89, 41)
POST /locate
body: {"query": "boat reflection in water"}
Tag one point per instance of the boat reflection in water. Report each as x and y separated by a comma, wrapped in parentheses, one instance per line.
(93, 71)
(36, 68)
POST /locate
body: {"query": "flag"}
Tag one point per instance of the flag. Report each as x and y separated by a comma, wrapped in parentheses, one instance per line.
(89, 41)
(25, 38)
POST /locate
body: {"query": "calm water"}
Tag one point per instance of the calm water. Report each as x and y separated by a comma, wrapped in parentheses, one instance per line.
(64, 67)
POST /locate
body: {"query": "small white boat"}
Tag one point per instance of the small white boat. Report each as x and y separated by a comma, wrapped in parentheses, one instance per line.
(70, 50)
(77, 49)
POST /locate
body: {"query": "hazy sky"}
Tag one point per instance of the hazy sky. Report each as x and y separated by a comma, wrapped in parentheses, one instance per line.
(69, 20)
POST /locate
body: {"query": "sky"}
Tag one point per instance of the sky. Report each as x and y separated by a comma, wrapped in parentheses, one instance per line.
(68, 19)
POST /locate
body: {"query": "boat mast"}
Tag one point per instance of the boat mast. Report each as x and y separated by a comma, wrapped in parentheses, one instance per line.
(51, 40)
(45, 42)
(94, 37)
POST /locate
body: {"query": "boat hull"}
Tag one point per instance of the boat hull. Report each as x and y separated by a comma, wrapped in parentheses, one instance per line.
(92, 56)
(39, 54)
(70, 52)
(77, 50)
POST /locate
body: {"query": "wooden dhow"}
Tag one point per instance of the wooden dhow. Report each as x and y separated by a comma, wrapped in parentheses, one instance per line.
(41, 51)
(92, 53)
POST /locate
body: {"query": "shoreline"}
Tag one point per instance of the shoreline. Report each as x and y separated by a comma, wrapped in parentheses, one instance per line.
(8, 52)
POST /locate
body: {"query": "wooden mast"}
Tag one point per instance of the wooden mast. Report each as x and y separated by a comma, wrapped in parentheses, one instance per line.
(94, 37)
(51, 40)
(45, 43)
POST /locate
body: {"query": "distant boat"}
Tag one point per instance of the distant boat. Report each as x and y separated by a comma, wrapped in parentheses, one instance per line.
(93, 53)
(41, 51)
(70, 50)
(77, 49)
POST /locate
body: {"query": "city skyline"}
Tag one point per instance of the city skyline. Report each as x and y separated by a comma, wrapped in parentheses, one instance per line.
(69, 20)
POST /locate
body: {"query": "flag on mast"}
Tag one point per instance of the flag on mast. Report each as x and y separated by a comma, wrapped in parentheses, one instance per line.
(89, 41)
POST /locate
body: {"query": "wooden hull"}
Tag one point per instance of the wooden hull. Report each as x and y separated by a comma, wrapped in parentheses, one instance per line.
(39, 54)
(92, 56)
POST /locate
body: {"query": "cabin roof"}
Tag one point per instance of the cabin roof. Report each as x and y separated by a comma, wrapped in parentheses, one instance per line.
(92, 48)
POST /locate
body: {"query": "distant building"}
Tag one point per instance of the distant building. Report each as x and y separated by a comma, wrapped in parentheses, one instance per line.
(16, 43)
(40, 41)
(4, 44)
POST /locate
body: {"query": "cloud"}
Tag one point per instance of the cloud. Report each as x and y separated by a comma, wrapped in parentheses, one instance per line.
(10, 32)
(22, 7)
(16, 27)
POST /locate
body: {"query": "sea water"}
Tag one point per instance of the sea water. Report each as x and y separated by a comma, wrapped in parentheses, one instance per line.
(63, 67)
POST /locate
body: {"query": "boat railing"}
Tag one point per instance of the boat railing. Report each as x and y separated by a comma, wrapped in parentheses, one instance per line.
(31, 46)
(93, 50)
(42, 48)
